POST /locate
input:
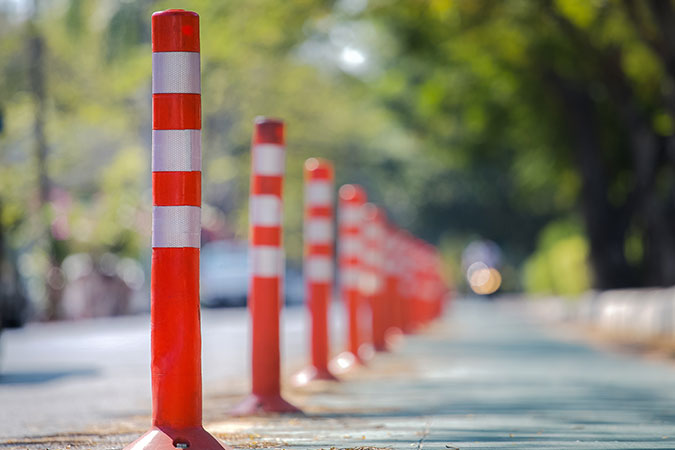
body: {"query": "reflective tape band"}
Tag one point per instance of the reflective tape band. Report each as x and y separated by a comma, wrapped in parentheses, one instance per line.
(265, 210)
(349, 277)
(319, 193)
(175, 73)
(176, 150)
(372, 258)
(268, 159)
(176, 226)
(350, 215)
(372, 231)
(391, 265)
(318, 268)
(318, 231)
(350, 246)
(265, 261)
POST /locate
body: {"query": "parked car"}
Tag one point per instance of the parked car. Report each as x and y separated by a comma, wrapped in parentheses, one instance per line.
(225, 276)
(294, 286)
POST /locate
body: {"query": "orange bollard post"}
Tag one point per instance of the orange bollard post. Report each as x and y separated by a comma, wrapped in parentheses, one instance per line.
(350, 245)
(372, 282)
(392, 285)
(421, 286)
(176, 233)
(407, 282)
(266, 265)
(318, 267)
(428, 289)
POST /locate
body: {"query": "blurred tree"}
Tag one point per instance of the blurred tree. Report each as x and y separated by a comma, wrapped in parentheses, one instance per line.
(567, 104)
(95, 116)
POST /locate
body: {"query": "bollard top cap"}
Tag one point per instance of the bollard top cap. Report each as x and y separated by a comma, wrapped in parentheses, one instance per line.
(352, 193)
(175, 30)
(318, 169)
(268, 130)
(374, 213)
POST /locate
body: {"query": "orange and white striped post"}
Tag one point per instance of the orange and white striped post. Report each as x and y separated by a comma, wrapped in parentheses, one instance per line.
(392, 283)
(266, 268)
(350, 247)
(318, 267)
(421, 286)
(407, 282)
(176, 235)
(426, 293)
(372, 279)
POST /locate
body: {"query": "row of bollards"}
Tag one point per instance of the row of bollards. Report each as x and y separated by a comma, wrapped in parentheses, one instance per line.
(389, 281)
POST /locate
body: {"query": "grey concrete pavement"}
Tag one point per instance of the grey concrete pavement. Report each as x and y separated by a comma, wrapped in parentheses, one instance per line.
(67, 376)
(486, 377)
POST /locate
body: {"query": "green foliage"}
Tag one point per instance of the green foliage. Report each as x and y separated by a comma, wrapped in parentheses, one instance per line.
(560, 264)
(460, 122)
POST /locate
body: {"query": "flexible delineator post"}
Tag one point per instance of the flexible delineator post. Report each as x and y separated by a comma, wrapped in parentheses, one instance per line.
(426, 280)
(266, 268)
(176, 235)
(372, 280)
(318, 264)
(350, 251)
(407, 283)
(392, 276)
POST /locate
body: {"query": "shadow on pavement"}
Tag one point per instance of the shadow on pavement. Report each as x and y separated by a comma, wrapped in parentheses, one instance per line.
(42, 377)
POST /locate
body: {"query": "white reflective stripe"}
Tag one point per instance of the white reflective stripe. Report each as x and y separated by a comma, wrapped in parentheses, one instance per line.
(372, 231)
(349, 277)
(319, 268)
(176, 150)
(266, 261)
(265, 210)
(350, 215)
(350, 246)
(175, 73)
(372, 258)
(319, 193)
(391, 265)
(176, 226)
(319, 231)
(268, 159)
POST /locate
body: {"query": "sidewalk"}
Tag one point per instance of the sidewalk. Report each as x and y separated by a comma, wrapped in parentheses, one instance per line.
(483, 378)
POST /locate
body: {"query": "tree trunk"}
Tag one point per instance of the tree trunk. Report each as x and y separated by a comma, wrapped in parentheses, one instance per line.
(36, 55)
(605, 224)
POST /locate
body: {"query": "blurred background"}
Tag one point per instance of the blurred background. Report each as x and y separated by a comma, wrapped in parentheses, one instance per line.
(533, 141)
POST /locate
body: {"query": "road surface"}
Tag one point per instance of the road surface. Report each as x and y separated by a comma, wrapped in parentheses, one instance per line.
(66, 376)
(486, 377)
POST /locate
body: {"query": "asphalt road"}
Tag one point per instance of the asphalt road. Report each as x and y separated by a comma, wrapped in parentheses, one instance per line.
(66, 376)
(486, 377)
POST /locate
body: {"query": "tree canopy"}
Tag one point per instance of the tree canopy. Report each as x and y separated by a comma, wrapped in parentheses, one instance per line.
(545, 126)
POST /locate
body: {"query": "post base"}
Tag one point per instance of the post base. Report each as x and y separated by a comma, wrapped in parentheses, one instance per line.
(344, 362)
(311, 373)
(254, 405)
(381, 348)
(167, 438)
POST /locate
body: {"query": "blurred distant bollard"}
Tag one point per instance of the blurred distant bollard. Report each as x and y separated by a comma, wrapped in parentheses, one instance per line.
(372, 280)
(392, 281)
(350, 246)
(176, 189)
(266, 266)
(318, 265)
(407, 281)
(440, 290)
(423, 291)
(430, 290)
